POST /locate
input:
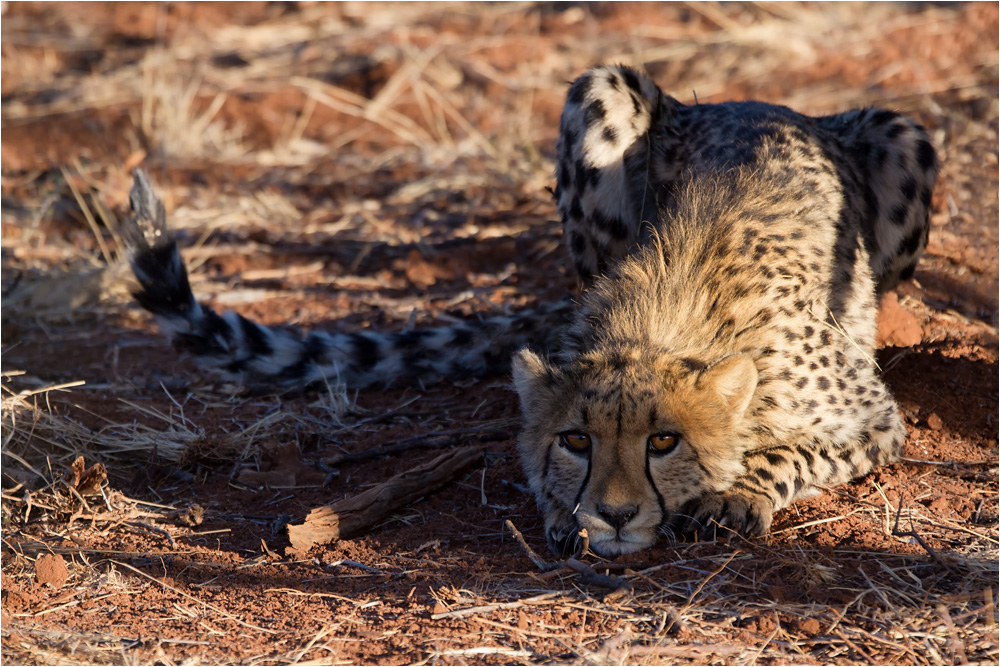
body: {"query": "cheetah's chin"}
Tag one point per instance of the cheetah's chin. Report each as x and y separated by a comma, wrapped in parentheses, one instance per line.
(616, 546)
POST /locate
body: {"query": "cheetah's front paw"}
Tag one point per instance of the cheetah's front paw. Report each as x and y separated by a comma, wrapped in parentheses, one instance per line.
(723, 514)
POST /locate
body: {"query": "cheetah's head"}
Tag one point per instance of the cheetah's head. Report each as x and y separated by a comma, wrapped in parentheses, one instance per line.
(616, 442)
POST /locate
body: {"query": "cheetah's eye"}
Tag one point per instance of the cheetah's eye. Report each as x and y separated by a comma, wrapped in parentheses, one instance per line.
(663, 443)
(574, 441)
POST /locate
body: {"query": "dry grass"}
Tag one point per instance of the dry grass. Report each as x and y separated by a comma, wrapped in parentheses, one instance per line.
(334, 159)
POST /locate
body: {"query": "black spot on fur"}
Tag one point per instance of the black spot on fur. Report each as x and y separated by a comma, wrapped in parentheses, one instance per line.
(881, 116)
(883, 427)
(213, 337)
(693, 365)
(881, 155)
(313, 348)
(871, 200)
(564, 175)
(925, 197)
(586, 176)
(595, 113)
(411, 340)
(774, 459)
(911, 243)
(926, 155)
(255, 338)
(898, 214)
(570, 141)
(612, 224)
(365, 351)
(593, 176)
(631, 80)
(461, 337)
(609, 134)
(805, 454)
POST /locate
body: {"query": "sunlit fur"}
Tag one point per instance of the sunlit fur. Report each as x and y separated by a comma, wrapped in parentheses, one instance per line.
(686, 335)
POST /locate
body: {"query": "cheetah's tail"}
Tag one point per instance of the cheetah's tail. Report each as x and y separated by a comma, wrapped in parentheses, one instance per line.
(254, 354)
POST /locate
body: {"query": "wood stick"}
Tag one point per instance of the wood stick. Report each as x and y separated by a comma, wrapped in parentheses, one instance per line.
(486, 608)
(354, 516)
(539, 562)
(896, 532)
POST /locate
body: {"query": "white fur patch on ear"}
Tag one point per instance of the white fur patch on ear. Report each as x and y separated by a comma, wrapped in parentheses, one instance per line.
(733, 380)
(533, 377)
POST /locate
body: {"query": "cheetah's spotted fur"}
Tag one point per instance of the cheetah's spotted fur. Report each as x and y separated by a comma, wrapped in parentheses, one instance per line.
(719, 364)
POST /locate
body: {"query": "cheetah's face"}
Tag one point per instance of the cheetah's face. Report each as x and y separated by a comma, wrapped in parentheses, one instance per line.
(616, 443)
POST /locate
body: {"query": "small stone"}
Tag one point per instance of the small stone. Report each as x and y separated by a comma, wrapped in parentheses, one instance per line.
(897, 327)
(51, 569)
(934, 422)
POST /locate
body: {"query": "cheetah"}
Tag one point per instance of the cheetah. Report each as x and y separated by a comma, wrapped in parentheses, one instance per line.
(718, 363)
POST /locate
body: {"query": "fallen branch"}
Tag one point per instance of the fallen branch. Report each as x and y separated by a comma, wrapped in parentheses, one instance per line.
(590, 576)
(355, 516)
(539, 562)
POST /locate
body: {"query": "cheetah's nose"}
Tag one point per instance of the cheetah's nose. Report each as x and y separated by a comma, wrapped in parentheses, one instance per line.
(618, 516)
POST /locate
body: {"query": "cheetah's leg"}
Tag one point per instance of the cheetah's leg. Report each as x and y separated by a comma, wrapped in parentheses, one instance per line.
(898, 166)
(777, 475)
(602, 173)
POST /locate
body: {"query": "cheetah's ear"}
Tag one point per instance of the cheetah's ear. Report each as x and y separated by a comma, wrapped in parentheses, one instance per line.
(534, 378)
(733, 380)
